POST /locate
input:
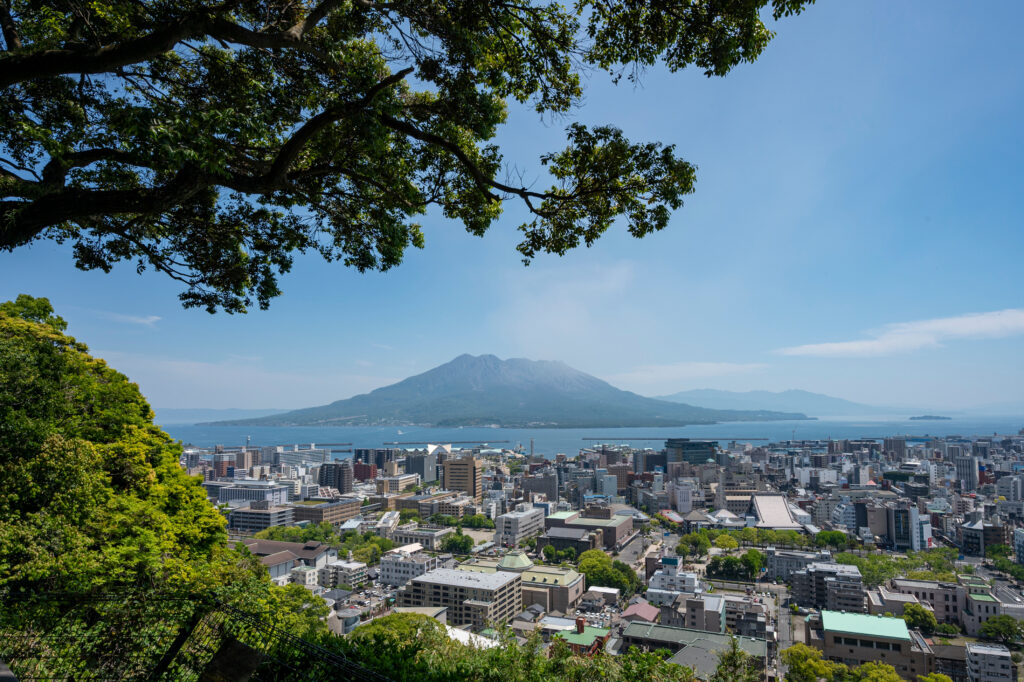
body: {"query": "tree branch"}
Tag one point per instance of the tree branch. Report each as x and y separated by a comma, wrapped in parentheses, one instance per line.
(17, 68)
(21, 222)
(10, 31)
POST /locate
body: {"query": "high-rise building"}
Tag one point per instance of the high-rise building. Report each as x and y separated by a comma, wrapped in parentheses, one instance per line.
(425, 465)
(465, 474)
(338, 475)
(895, 447)
(363, 471)
(376, 456)
(966, 472)
(691, 451)
(224, 465)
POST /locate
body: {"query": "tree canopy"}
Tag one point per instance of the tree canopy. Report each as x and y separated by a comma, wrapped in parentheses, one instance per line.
(211, 141)
(91, 492)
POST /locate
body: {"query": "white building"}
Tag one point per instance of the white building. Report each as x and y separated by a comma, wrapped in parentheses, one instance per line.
(989, 663)
(511, 528)
(398, 568)
(351, 573)
(668, 582)
(681, 495)
(306, 576)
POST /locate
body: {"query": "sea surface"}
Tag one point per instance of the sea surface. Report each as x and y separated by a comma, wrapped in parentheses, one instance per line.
(549, 442)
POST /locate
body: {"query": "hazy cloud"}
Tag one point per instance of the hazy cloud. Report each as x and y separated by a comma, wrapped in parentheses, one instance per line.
(908, 336)
(235, 382)
(667, 378)
(142, 320)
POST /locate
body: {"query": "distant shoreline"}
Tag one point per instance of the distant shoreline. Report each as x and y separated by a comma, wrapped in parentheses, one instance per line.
(931, 418)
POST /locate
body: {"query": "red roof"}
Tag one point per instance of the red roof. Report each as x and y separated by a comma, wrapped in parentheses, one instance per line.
(641, 612)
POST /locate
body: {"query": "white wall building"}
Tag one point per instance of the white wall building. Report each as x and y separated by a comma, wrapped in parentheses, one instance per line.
(989, 663)
(511, 528)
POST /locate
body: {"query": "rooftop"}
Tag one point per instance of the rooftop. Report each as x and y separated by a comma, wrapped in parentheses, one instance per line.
(686, 637)
(471, 579)
(563, 515)
(862, 624)
(585, 638)
(773, 512)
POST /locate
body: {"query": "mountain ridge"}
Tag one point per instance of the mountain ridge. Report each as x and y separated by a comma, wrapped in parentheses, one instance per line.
(796, 400)
(485, 390)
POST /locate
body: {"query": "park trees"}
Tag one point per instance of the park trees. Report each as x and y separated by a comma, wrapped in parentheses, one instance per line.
(212, 141)
(602, 571)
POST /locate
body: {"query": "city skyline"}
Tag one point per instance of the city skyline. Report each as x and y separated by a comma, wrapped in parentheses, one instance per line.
(878, 266)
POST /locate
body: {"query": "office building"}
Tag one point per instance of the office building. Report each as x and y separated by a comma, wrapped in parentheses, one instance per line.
(690, 451)
(781, 564)
(479, 600)
(258, 516)
(515, 526)
(855, 639)
(966, 473)
(429, 538)
(423, 464)
(334, 512)
(465, 474)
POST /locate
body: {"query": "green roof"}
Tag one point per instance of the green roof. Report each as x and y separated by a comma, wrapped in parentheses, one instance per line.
(981, 597)
(562, 515)
(861, 624)
(585, 638)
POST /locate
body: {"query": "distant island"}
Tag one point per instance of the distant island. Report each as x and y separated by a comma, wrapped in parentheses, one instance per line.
(516, 393)
(930, 417)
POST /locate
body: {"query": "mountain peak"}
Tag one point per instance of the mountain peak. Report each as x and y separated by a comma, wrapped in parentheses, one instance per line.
(484, 389)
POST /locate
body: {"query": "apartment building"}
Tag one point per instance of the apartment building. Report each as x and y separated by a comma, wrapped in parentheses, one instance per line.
(397, 567)
(479, 600)
(825, 585)
(989, 663)
(351, 573)
(781, 564)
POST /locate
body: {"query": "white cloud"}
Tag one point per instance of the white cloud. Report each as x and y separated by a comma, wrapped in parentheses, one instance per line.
(908, 336)
(648, 379)
(142, 320)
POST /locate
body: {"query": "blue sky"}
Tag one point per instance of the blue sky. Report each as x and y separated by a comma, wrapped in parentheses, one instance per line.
(856, 231)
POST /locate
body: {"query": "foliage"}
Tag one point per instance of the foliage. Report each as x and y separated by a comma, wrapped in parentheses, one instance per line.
(1010, 568)
(947, 629)
(414, 647)
(457, 543)
(549, 552)
(728, 568)
(919, 617)
(93, 500)
(335, 124)
(602, 571)
(1002, 628)
(408, 516)
(367, 547)
(998, 552)
(477, 521)
(91, 492)
(805, 664)
(726, 542)
(831, 538)
(736, 665)
(696, 544)
(753, 561)
(934, 677)
(932, 564)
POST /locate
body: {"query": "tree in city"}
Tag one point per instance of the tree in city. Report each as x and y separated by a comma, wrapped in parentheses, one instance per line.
(1003, 628)
(212, 141)
(726, 542)
(549, 553)
(457, 543)
(920, 618)
(934, 677)
(736, 665)
(753, 562)
(831, 538)
(601, 571)
(805, 664)
(873, 672)
(996, 552)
